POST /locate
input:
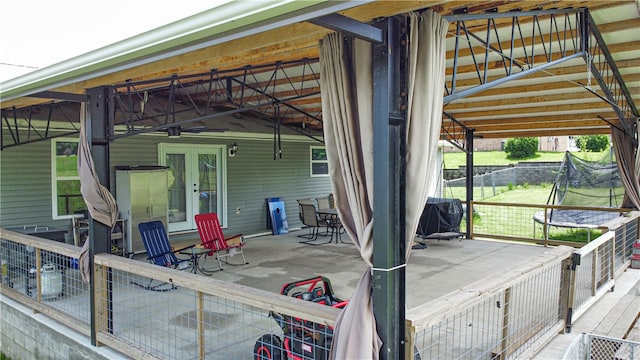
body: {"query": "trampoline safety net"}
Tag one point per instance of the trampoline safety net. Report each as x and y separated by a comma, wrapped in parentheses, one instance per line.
(584, 184)
(588, 183)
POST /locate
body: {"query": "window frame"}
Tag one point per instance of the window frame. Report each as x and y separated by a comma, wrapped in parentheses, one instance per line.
(55, 178)
(312, 161)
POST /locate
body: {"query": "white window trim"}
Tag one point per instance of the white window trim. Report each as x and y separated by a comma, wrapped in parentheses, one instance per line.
(54, 180)
(311, 162)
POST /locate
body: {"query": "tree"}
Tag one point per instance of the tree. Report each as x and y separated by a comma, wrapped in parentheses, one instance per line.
(593, 143)
(520, 148)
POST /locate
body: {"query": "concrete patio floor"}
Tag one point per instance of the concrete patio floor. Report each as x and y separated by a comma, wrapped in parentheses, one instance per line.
(442, 267)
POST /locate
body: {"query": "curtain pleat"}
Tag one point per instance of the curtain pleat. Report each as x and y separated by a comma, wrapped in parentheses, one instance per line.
(100, 203)
(629, 165)
(347, 91)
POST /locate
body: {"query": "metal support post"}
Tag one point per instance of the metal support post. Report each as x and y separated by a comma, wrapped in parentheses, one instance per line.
(389, 152)
(97, 132)
(469, 180)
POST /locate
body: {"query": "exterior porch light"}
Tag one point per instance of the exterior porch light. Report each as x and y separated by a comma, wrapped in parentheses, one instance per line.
(233, 150)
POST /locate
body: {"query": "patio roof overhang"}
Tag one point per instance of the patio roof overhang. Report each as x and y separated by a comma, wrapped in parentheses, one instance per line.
(513, 69)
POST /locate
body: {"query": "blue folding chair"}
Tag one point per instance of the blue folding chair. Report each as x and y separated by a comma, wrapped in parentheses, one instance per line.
(159, 251)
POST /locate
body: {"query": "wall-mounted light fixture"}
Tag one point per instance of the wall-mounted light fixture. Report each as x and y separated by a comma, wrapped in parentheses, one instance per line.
(173, 132)
(233, 149)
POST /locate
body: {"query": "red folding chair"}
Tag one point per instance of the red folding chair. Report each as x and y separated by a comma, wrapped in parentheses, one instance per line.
(212, 238)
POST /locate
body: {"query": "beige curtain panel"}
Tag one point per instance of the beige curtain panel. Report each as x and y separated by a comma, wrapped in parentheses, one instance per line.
(346, 89)
(100, 203)
(629, 165)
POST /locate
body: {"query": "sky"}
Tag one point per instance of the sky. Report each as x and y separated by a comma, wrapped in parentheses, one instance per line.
(39, 33)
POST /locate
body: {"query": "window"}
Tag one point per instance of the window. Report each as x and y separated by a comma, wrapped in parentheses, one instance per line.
(66, 197)
(319, 163)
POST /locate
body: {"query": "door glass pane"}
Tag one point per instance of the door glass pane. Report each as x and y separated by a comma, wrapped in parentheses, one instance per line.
(177, 189)
(208, 180)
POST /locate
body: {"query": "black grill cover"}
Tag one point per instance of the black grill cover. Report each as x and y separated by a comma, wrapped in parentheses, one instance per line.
(440, 215)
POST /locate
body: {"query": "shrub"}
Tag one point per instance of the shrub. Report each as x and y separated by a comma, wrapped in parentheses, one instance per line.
(593, 143)
(520, 148)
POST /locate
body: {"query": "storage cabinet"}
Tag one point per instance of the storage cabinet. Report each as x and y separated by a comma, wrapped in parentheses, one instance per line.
(142, 196)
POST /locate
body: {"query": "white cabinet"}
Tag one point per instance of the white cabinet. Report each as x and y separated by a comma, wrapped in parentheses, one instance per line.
(142, 196)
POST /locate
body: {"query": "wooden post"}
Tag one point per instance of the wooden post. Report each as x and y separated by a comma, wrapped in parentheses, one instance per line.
(545, 229)
(568, 290)
(505, 324)
(101, 299)
(200, 324)
(410, 340)
(612, 259)
(594, 272)
(38, 270)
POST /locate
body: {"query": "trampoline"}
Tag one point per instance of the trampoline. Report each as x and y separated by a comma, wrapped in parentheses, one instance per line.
(577, 219)
(581, 183)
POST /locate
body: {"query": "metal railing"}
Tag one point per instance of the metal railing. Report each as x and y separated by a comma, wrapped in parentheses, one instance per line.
(196, 317)
(590, 346)
(187, 316)
(498, 318)
(514, 315)
(546, 224)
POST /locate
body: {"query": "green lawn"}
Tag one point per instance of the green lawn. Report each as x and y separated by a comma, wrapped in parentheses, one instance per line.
(518, 221)
(453, 160)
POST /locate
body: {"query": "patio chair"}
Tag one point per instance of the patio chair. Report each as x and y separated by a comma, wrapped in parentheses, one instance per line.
(310, 218)
(159, 252)
(212, 238)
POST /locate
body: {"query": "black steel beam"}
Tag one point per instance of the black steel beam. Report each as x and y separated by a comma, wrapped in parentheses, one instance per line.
(616, 92)
(99, 108)
(389, 154)
(349, 26)
(469, 180)
(479, 88)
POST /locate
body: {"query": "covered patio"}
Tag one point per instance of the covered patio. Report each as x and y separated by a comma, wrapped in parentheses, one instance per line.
(487, 56)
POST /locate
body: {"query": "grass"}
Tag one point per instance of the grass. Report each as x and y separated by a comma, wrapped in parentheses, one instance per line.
(452, 160)
(517, 221)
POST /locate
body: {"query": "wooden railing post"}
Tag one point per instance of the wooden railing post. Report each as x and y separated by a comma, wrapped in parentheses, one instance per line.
(410, 340)
(545, 228)
(38, 274)
(594, 271)
(568, 290)
(200, 326)
(101, 316)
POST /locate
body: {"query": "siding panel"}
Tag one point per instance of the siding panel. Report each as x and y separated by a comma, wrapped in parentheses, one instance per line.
(252, 176)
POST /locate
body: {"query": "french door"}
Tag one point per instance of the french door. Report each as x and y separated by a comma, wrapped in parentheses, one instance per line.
(197, 182)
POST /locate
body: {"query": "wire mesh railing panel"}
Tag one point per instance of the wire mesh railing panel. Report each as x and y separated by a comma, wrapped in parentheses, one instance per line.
(604, 271)
(503, 321)
(48, 277)
(626, 236)
(505, 221)
(163, 320)
(533, 308)
(472, 333)
(172, 315)
(584, 287)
